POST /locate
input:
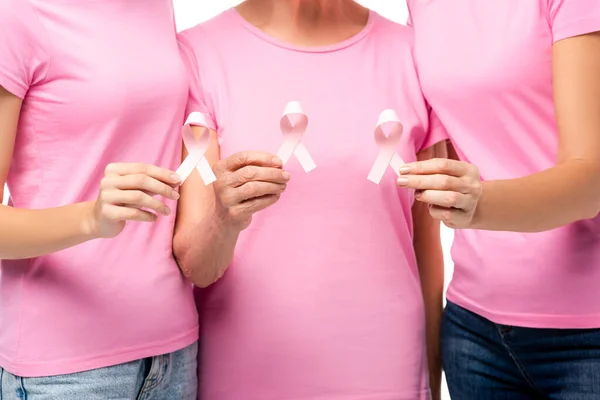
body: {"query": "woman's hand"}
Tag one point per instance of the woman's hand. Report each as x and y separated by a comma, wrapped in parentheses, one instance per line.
(127, 194)
(247, 182)
(451, 188)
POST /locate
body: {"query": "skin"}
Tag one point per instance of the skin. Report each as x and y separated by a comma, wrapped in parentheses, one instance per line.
(566, 193)
(125, 194)
(210, 218)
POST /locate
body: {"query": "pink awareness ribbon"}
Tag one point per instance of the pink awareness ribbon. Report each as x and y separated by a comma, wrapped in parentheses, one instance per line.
(293, 125)
(196, 148)
(387, 137)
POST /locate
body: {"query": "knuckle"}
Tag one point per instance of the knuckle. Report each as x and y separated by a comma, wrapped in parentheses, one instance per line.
(242, 158)
(105, 183)
(446, 183)
(248, 173)
(451, 199)
(446, 216)
(139, 180)
(143, 168)
(249, 190)
(137, 196)
(443, 164)
(110, 169)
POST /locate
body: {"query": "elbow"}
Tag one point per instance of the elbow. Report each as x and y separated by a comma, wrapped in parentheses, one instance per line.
(592, 211)
(186, 263)
(192, 268)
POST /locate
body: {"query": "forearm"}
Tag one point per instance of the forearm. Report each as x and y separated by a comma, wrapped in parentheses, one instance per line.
(33, 233)
(431, 274)
(204, 249)
(430, 261)
(555, 197)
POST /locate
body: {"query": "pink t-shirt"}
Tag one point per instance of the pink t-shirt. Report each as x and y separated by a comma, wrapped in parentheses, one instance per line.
(486, 69)
(322, 299)
(102, 82)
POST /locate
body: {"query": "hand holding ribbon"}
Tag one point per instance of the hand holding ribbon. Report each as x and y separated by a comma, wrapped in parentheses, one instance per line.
(247, 182)
(127, 193)
(451, 188)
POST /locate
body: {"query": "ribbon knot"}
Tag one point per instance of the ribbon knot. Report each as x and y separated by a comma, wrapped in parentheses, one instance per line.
(196, 148)
(293, 124)
(387, 136)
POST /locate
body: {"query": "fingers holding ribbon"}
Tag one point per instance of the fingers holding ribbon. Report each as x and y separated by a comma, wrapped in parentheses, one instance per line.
(196, 148)
(388, 133)
(451, 188)
(248, 182)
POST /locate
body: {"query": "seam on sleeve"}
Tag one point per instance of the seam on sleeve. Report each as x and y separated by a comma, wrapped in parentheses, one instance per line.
(576, 27)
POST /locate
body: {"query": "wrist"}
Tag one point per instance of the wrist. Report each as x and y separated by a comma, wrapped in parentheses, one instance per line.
(87, 222)
(477, 218)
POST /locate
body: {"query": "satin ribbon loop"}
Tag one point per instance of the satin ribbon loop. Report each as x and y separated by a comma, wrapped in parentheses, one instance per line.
(196, 148)
(387, 136)
(293, 125)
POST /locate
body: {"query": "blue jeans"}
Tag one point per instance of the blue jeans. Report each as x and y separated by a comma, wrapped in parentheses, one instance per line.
(166, 377)
(488, 361)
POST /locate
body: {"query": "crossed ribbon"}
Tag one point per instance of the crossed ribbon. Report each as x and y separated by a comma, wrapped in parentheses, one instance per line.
(387, 137)
(293, 125)
(196, 148)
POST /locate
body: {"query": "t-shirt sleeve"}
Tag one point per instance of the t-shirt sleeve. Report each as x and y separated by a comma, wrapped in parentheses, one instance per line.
(23, 54)
(435, 132)
(570, 18)
(198, 99)
(409, 19)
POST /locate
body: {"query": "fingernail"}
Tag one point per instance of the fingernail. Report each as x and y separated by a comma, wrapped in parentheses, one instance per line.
(286, 175)
(402, 181)
(418, 195)
(167, 210)
(176, 178)
(277, 162)
(175, 195)
(404, 170)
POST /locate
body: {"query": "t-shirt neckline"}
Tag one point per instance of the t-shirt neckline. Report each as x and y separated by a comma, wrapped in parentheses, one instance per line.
(306, 49)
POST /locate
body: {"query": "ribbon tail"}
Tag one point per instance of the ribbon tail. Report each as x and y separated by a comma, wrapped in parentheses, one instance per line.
(304, 157)
(187, 166)
(286, 150)
(379, 167)
(396, 163)
(206, 172)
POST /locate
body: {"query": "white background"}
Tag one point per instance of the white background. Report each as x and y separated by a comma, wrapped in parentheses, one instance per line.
(191, 12)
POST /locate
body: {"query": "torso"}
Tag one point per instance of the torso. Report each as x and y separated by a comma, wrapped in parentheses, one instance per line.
(112, 89)
(322, 298)
(486, 70)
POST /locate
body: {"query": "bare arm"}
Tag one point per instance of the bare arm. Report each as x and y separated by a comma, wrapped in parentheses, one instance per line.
(210, 218)
(202, 244)
(430, 260)
(563, 194)
(32, 233)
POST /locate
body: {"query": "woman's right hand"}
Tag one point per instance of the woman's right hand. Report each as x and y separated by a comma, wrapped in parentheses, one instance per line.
(127, 193)
(247, 182)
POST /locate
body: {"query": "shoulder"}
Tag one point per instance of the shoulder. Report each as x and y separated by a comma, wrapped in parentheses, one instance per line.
(392, 34)
(206, 34)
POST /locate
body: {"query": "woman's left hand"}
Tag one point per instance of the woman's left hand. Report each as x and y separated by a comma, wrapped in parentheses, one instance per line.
(451, 188)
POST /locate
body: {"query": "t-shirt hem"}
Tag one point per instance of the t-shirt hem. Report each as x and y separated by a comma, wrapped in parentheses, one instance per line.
(542, 321)
(12, 86)
(36, 369)
(424, 394)
(577, 27)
